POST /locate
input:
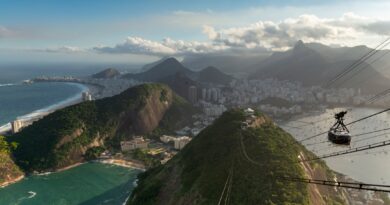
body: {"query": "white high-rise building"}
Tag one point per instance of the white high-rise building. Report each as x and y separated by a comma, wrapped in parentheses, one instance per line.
(17, 125)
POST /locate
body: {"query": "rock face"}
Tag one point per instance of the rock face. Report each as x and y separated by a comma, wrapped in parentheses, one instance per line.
(241, 165)
(62, 138)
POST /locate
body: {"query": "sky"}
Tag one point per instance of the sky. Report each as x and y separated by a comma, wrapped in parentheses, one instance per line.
(136, 32)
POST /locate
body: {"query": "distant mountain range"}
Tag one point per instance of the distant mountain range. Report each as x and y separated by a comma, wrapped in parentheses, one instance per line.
(316, 64)
(171, 72)
(309, 63)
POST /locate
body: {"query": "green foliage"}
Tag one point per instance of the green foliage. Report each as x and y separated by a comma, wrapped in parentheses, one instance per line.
(147, 159)
(93, 153)
(163, 95)
(8, 169)
(47, 143)
(202, 167)
(6, 147)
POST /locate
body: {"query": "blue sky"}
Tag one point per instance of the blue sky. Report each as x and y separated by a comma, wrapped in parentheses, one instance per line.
(134, 31)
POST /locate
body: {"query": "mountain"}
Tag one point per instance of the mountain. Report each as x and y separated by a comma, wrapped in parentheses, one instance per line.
(166, 68)
(9, 171)
(213, 75)
(107, 73)
(179, 78)
(63, 137)
(179, 83)
(148, 66)
(232, 64)
(248, 163)
(316, 64)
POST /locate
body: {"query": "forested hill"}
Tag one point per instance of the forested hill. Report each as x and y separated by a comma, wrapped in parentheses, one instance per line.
(247, 163)
(62, 138)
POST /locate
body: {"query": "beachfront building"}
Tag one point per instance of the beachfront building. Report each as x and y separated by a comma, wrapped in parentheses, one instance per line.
(135, 143)
(86, 96)
(17, 125)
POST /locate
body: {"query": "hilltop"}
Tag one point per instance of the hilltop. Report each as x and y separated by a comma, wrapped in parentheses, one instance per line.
(162, 69)
(213, 75)
(255, 158)
(62, 138)
(107, 73)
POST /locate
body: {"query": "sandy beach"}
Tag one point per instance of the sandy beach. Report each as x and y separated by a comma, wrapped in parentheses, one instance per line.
(123, 163)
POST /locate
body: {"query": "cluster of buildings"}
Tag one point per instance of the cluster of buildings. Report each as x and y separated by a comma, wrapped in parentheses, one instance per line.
(246, 92)
(178, 141)
(86, 96)
(137, 142)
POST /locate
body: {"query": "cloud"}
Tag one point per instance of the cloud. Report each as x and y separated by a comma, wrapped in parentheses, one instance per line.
(137, 45)
(62, 49)
(167, 46)
(261, 36)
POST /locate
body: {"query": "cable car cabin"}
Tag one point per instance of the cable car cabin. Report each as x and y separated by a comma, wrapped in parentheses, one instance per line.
(339, 133)
(339, 136)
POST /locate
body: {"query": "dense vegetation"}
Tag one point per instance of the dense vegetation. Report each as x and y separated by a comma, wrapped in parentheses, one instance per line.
(8, 169)
(198, 173)
(144, 157)
(60, 138)
(93, 153)
(258, 156)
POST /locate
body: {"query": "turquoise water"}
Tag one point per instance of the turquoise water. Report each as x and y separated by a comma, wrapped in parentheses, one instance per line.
(87, 184)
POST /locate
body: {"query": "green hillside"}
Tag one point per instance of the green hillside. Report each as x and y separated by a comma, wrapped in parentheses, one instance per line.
(62, 138)
(255, 157)
(8, 169)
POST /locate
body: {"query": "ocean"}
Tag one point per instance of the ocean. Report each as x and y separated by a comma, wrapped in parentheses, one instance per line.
(91, 183)
(87, 184)
(21, 100)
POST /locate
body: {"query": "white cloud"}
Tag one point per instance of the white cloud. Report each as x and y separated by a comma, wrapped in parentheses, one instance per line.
(167, 46)
(63, 49)
(138, 45)
(349, 30)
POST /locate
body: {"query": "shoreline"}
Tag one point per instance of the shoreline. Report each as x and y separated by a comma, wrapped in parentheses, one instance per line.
(13, 181)
(40, 113)
(117, 162)
(122, 163)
